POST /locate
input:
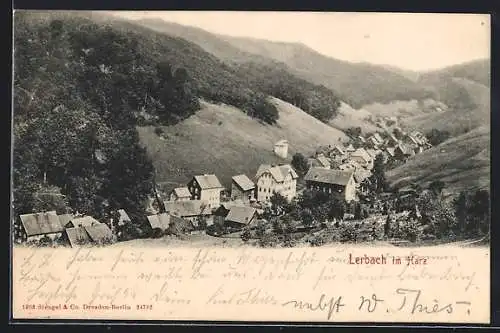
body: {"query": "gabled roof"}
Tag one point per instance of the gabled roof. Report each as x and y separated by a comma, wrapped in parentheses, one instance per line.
(339, 149)
(378, 137)
(360, 175)
(323, 160)
(361, 138)
(350, 148)
(41, 223)
(65, 218)
(187, 208)
(279, 172)
(99, 233)
(328, 176)
(405, 149)
(208, 181)
(241, 214)
(77, 236)
(123, 216)
(243, 182)
(82, 222)
(361, 152)
(182, 192)
(180, 225)
(161, 221)
(390, 151)
(281, 143)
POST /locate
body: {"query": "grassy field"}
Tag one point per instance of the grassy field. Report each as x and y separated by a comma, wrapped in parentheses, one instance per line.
(349, 117)
(462, 162)
(458, 121)
(223, 140)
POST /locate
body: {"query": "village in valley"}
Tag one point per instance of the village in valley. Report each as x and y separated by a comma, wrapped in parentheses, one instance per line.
(284, 203)
(151, 133)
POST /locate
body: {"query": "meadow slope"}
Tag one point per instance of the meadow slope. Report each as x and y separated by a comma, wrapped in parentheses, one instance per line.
(458, 121)
(222, 140)
(462, 162)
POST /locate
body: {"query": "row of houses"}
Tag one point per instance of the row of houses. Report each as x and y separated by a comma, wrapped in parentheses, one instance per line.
(68, 229)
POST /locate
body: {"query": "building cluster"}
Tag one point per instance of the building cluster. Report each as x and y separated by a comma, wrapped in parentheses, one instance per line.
(68, 229)
(338, 171)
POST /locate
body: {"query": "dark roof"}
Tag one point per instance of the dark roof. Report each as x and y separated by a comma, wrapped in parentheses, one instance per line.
(208, 181)
(328, 176)
(77, 236)
(82, 222)
(187, 208)
(323, 160)
(180, 225)
(405, 149)
(182, 192)
(99, 232)
(161, 221)
(241, 214)
(41, 223)
(65, 218)
(244, 182)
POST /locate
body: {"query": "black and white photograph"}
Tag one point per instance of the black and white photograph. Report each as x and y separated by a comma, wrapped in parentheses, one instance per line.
(249, 131)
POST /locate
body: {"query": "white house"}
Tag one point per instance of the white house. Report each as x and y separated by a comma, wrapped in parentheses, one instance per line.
(281, 148)
(276, 179)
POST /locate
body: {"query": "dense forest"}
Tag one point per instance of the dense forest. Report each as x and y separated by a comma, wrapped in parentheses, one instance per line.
(317, 100)
(80, 90)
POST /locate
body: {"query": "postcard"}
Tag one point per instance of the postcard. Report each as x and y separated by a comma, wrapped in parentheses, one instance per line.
(291, 167)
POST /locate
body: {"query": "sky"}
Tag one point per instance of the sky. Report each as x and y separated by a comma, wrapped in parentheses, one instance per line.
(407, 40)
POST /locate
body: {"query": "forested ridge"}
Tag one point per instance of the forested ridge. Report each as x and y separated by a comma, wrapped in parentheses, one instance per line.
(317, 100)
(80, 90)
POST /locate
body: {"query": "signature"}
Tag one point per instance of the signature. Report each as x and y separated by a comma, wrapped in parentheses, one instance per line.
(329, 305)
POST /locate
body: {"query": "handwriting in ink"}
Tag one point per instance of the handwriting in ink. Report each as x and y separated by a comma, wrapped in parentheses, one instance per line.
(322, 304)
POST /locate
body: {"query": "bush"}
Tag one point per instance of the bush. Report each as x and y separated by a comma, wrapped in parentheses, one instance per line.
(246, 235)
(157, 233)
(348, 233)
(159, 131)
(268, 240)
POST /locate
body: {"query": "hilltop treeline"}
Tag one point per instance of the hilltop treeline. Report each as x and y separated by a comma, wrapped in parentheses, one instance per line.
(317, 100)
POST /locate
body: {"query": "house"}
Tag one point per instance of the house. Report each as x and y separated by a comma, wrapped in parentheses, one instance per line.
(190, 210)
(361, 157)
(272, 179)
(84, 221)
(390, 152)
(338, 183)
(378, 137)
(76, 237)
(337, 151)
(159, 221)
(38, 225)
(281, 148)
(180, 226)
(123, 217)
(65, 219)
(361, 139)
(350, 148)
(392, 141)
(180, 194)
(206, 188)
(242, 188)
(319, 161)
(98, 234)
(240, 216)
(402, 152)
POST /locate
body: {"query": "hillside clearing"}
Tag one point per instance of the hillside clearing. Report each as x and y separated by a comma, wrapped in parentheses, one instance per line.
(462, 163)
(223, 140)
